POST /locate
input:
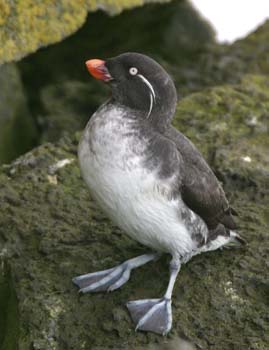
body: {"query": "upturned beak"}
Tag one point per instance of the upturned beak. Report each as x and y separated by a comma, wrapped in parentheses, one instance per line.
(98, 69)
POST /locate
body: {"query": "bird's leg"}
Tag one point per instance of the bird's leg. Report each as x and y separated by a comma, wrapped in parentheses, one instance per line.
(111, 279)
(155, 315)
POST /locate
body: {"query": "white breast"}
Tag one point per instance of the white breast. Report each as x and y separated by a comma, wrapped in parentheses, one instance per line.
(111, 158)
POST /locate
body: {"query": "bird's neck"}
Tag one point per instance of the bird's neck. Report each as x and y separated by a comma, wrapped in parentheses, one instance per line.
(162, 114)
(159, 118)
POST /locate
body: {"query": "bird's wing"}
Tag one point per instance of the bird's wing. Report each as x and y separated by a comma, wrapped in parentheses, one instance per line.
(201, 190)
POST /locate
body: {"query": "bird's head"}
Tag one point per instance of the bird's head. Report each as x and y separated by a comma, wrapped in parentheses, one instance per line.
(140, 83)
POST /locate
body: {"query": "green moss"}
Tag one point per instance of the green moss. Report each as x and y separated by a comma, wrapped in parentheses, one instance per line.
(232, 125)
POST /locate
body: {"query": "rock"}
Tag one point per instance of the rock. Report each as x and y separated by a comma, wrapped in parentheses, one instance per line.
(18, 133)
(67, 108)
(219, 64)
(50, 231)
(28, 25)
(237, 120)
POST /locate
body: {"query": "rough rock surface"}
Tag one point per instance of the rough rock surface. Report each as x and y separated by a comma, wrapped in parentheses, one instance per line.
(26, 25)
(50, 231)
(219, 64)
(17, 127)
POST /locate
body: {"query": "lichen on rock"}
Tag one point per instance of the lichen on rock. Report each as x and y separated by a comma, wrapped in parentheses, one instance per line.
(26, 25)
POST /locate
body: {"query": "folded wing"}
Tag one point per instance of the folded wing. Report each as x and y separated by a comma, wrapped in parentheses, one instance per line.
(200, 189)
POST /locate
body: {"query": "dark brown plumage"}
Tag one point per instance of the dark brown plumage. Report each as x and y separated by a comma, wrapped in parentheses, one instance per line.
(201, 190)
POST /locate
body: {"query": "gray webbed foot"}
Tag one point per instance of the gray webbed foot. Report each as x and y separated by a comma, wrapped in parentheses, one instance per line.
(106, 280)
(111, 279)
(154, 315)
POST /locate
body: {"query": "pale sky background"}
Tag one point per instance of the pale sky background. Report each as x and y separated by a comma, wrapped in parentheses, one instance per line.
(233, 19)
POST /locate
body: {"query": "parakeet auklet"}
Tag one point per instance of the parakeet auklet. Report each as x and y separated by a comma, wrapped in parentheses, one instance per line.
(150, 180)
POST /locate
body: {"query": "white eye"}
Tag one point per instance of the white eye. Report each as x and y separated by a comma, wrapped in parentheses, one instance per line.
(133, 71)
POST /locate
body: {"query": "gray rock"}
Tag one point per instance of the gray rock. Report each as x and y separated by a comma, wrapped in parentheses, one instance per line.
(67, 108)
(17, 128)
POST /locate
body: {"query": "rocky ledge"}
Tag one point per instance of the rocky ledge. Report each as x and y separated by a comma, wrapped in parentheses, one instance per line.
(50, 231)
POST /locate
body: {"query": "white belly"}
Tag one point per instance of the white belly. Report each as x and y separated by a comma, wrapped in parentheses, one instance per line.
(133, 197)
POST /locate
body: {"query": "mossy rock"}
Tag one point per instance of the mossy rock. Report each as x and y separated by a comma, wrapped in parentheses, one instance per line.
(50, 231)
(18, 132)
(233, 125)
(26, 25)
(224, 63)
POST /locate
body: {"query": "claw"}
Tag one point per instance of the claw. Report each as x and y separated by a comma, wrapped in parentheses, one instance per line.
(154, 315)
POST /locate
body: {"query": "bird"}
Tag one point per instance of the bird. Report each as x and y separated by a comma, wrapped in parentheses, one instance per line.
(150, 180)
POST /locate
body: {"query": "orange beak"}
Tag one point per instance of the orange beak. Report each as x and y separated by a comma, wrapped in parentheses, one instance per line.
(98, 69)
